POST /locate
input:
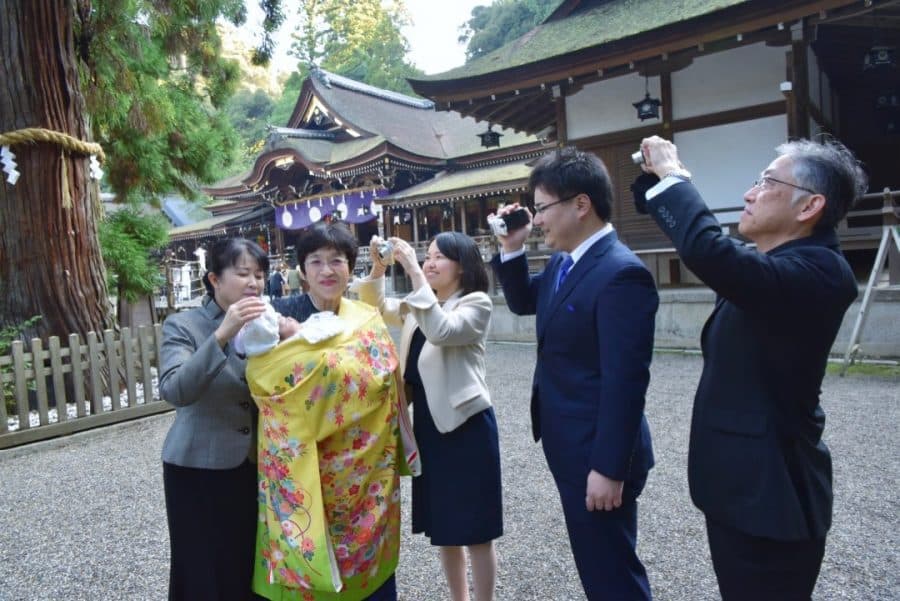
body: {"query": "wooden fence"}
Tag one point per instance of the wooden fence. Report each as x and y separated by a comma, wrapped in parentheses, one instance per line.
(24, 377)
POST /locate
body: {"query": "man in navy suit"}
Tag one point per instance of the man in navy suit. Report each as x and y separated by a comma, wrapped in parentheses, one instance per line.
(757, 466)
(595, 303)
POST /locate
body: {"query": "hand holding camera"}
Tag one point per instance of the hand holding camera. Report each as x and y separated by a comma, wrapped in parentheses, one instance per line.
(381, 252)
(511, 225)
(659, 157)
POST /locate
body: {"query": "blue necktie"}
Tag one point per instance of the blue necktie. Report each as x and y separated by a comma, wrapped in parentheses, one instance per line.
(564, 271)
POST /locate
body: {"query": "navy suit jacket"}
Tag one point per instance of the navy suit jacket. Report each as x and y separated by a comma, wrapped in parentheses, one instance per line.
(756, 460)
(594, 347)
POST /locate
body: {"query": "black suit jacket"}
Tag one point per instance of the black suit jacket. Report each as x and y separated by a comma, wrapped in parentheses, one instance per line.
(594, 345)
(756, 460)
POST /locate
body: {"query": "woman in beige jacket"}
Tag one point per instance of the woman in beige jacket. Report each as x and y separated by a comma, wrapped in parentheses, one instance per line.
(457, 500)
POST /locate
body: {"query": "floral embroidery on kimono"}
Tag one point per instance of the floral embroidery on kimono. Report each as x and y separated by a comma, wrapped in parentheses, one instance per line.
(328, 462)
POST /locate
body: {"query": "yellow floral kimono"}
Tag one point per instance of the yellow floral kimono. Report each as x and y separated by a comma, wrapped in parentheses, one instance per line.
(330, 453)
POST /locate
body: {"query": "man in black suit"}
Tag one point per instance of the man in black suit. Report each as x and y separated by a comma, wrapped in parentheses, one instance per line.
(595, 304)
(757, 466)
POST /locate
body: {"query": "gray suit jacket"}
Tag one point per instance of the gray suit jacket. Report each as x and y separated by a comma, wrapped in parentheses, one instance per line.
(215, 418)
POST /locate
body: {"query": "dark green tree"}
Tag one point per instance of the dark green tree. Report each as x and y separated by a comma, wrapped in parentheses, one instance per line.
(284, 106)
(491, 27)
(360, 39)
(144, 79)
(129, 240)
(249, 112)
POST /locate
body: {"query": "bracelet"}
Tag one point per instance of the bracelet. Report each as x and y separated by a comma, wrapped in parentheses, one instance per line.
(682, 174)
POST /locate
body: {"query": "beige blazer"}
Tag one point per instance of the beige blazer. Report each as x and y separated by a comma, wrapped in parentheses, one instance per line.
(452, 360)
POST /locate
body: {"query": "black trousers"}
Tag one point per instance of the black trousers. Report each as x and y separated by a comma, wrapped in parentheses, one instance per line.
(750, 568)
(212, 517)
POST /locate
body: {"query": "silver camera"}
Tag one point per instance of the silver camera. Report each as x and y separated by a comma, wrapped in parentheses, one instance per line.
(386, 252)
(638, 157)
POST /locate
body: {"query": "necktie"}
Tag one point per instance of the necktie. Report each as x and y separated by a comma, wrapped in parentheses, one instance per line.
(564, 271)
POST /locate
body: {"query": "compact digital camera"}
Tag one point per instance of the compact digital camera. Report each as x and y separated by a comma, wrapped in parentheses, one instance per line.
(386, 252)
(502, 226)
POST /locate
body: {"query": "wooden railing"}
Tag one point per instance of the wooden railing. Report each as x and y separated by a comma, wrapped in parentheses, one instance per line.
(109, 379)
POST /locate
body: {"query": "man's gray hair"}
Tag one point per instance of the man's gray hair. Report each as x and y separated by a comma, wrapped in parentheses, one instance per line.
(830, 169)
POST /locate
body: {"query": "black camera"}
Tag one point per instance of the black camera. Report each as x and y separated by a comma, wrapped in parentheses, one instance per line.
(503, 225)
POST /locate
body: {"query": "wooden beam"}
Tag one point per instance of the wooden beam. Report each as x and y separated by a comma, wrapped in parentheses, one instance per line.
(758, 111)
(690, 123)
(526, 104)
(562, 126)
(539, 116)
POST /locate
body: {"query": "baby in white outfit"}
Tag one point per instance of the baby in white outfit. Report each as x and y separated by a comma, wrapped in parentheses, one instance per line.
(265, 332)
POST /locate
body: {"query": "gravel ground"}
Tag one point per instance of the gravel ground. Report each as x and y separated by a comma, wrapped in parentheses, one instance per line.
(83, 517)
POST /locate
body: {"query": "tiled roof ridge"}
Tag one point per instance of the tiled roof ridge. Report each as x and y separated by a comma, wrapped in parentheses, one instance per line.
(299, 132)
(329, 79)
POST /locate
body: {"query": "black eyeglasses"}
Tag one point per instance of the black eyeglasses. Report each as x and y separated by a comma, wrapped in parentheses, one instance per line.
(538, 210)
(763, 183)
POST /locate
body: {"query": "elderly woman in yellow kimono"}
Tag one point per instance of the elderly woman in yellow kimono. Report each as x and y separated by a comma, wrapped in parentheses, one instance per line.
(331, 447)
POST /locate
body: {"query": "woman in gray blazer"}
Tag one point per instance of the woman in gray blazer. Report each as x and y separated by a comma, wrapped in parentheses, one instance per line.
(209, 470)
(457, 500)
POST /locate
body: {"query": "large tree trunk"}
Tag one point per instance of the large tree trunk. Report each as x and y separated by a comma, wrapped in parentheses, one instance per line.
(50, 262)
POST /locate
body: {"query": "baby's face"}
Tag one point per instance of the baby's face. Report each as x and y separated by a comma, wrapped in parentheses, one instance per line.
(287, 327)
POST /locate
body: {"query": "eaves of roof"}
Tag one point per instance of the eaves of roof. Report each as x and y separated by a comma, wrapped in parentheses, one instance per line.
(447, 185)
(201, 226)
(609, 22)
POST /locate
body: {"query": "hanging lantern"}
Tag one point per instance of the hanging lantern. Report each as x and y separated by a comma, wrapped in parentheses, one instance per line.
(648, 108)
(887, 100)
(490, 138)
(878, 57)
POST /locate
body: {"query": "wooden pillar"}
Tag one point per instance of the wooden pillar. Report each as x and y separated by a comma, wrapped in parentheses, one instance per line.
(665, 92)
(798, 97)
(387, 218)
(562, 126)
(462, 217)
(279, 242)
(415, 224)
(889, 217)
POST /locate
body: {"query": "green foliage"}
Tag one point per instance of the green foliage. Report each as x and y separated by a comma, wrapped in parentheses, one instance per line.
(491, 27)
(284, 106)
(360, 39)
(154, 82)
(127, 238)
(8, 335)
(882, 370)
(249, 112)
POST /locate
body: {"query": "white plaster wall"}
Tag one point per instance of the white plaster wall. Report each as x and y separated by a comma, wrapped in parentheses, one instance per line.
(606, 106)
(726, 159)
(727, 80)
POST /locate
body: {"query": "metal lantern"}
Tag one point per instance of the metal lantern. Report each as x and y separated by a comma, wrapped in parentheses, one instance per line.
(879, 57)
(490, 138)
(648, 107)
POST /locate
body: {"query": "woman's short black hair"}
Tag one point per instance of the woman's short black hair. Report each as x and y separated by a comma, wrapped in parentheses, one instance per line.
(226, 253)
(327, 235)
(458, 247)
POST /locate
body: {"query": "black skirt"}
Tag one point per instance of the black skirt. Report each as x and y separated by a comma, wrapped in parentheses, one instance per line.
(212, 517)
(457, 500)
